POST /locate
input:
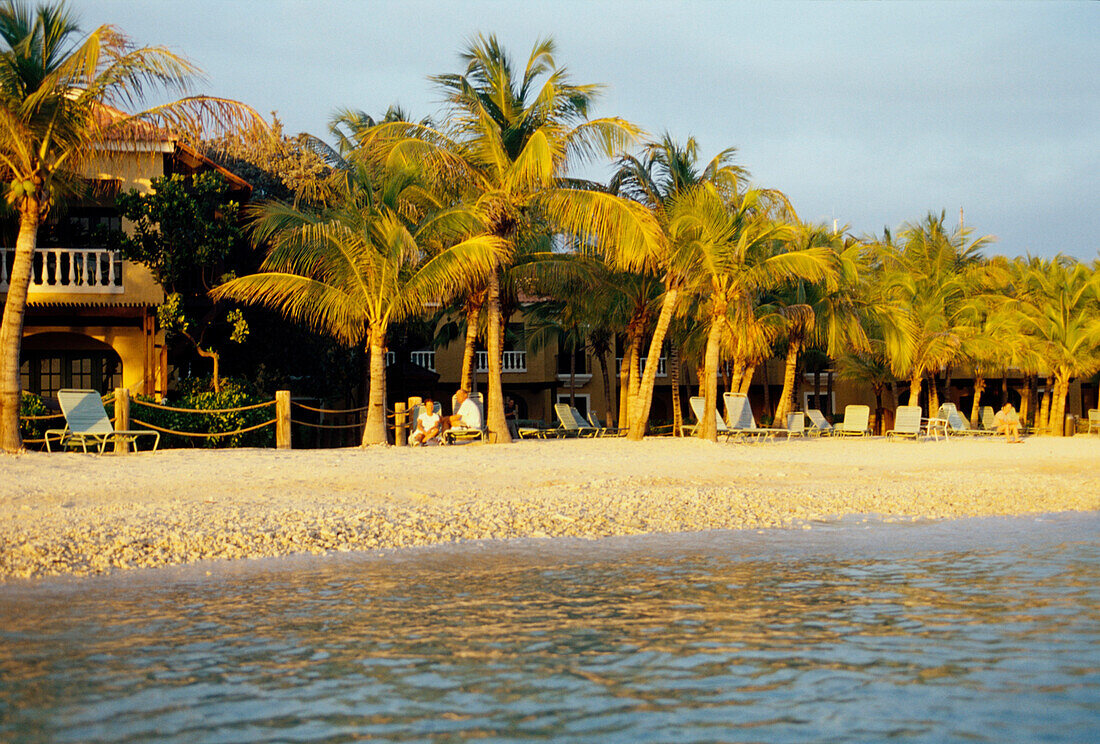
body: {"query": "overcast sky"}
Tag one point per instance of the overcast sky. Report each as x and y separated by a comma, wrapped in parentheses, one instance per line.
(871, 114)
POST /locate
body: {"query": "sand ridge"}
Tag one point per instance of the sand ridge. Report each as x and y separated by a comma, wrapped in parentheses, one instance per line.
(87, 514)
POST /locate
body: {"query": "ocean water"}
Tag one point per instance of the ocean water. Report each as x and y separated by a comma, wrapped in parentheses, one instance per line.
(963, 631)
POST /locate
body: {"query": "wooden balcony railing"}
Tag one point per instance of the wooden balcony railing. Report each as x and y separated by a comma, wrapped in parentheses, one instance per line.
(68, 271)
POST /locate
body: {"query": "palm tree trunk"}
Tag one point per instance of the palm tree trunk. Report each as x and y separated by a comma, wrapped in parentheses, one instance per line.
(1027, 404)
(746, 379)
(734, 382)
(767, 391)
(674, 373)
(375, 430)
(785, 398)
(608, 388)
(573, 378)
(643, 401)
(624, 381)
(1058, 404)
(11, 330)
(1044, 410)
(933, 396)
(469, 351)
(976, 408)
(498, 425)
(708, 427)
(914, 388)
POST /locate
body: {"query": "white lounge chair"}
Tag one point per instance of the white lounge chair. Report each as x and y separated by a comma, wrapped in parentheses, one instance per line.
(742, 422)
(819, 426)
(601, 430)
(956, 424)
(907, 422)
(855, 421)
(1094, 420)
(466, 433)
(571, 423)
(697, 409)
(86, 422)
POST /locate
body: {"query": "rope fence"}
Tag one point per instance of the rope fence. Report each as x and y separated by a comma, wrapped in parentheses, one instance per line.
(205, 434)
(168, 420)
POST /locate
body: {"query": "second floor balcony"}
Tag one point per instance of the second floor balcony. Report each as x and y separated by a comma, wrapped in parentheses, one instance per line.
(661, 371)
(511, 362)
(68, 271)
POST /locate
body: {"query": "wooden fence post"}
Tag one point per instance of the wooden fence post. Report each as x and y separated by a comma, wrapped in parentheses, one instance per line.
(122, 417)
(399, 424)
(282, 419)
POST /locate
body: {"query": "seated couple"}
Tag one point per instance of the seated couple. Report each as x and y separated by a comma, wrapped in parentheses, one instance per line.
(430, 425)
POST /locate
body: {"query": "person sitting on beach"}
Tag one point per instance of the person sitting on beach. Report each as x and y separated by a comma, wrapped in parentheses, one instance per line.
(1008, 423)
(467, 414)
(427, 424)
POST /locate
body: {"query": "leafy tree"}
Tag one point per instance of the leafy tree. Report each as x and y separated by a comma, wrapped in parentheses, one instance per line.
(61, 97)
(186, 231)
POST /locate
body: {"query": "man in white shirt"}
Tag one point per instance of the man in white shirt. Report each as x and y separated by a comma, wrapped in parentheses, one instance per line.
(467, 413)
(427, 424)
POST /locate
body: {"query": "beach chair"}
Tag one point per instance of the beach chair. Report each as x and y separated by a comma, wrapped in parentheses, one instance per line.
(741, 421)
(570, 422)
(86, 422)
(414, 414)
(601, 430)
(796, 424)
(1094, 420)
(457, 434)
(855, 421)
(819, 426)
(697, 404)
(907, 423)
(987, 418)
(956, 424)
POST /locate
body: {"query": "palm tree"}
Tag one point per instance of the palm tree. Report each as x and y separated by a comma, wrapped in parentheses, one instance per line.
(510, 139)
(666, 170)
(729, 252)
(59, 103)
(1060, 305)
(353, 268)
(927, 273)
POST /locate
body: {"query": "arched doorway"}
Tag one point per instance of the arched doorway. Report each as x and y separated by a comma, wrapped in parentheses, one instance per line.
(52, 361)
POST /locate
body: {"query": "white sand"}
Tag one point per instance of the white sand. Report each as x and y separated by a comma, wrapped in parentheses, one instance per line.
(80, 514)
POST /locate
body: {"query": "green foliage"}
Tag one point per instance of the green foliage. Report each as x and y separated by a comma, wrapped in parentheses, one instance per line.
(32, 405)
(185, 231)
(194, 395)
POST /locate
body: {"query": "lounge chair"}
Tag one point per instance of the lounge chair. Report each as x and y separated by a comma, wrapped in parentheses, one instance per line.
(907, 422)
(987, 418)
(956, 424)
(855, 421)
(742, 422)
(414, 415)
(819, 426)
(1094, 420)
(86, 422)
(697, 410)
(601, 430)
(465, 433)
(570, 422)
(796, 424)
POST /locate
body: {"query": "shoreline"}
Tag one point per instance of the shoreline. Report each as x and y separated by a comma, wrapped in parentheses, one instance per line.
(80, 515)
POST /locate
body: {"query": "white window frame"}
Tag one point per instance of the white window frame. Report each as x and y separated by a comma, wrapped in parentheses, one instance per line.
(806, 394)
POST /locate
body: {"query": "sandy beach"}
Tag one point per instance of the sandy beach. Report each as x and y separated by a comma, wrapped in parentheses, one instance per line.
(86, 514)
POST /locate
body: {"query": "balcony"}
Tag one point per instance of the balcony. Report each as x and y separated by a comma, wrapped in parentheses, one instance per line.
(68, 271)
(661, 371)
(425, 359)
(511, 362)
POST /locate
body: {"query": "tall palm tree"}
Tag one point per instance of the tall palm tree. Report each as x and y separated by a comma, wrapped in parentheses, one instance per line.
(510, 138)
(353, 268)
(729, 252)
(666, 170)
(61, 97)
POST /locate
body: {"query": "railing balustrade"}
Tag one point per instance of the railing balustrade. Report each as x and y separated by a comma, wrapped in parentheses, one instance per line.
(510, 362)
(661, 370)
(425, 359)
(68, 270)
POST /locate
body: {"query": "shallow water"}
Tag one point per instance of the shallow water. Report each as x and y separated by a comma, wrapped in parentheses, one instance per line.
(973, 630)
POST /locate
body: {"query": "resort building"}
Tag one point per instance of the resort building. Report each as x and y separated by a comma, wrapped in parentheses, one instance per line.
(91, 316)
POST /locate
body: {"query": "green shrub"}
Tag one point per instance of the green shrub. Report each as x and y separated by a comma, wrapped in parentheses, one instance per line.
(234, 394)
(32, 405)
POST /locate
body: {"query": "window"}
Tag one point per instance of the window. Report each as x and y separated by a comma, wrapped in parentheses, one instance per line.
(44, 373)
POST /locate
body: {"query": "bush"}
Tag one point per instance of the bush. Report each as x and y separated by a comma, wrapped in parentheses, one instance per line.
(32, 405)
(234, 394)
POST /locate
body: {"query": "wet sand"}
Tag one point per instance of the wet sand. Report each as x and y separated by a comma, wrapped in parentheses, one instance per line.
(86, 514)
